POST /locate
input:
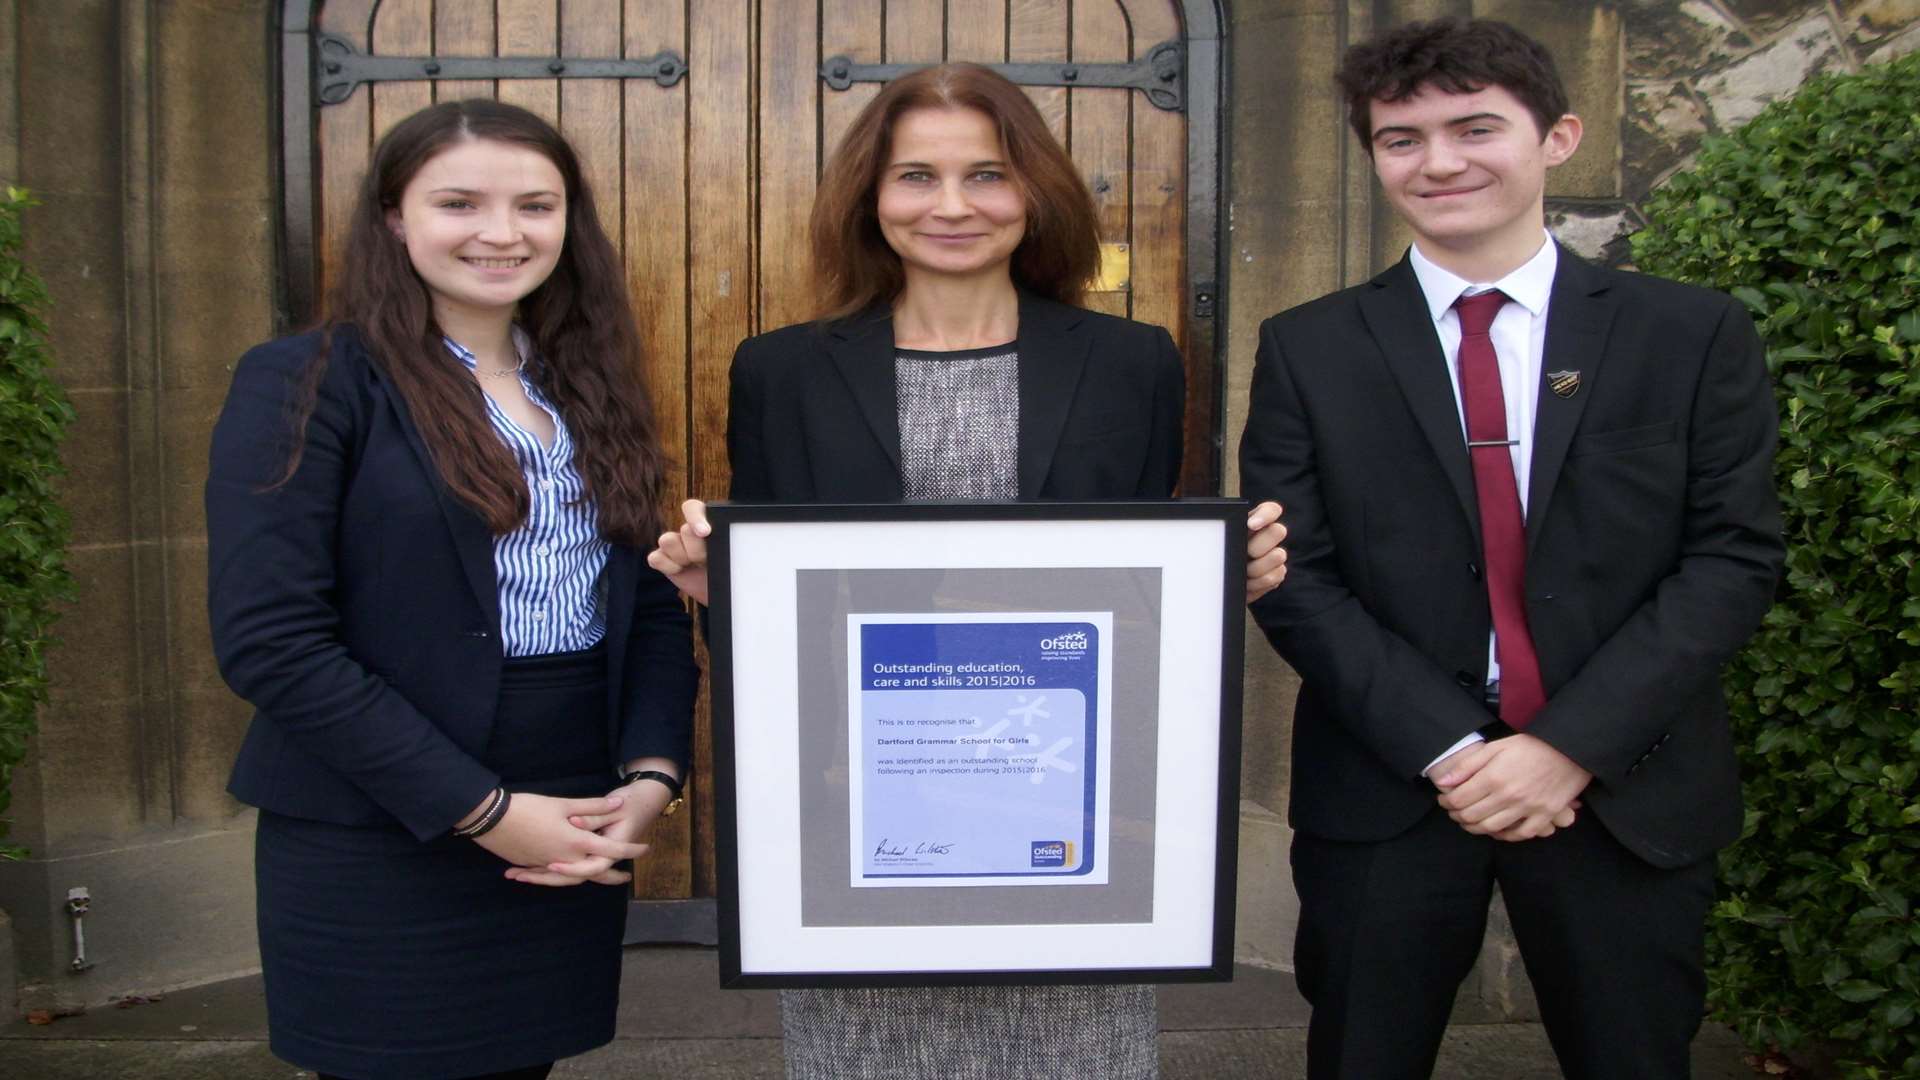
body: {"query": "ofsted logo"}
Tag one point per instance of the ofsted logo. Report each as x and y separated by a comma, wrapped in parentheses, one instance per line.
(1073, 642)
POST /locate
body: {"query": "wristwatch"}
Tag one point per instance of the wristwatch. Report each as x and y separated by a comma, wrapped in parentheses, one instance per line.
(672, 785)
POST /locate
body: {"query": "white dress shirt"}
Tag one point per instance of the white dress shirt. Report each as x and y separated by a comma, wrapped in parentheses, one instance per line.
(1519, 335)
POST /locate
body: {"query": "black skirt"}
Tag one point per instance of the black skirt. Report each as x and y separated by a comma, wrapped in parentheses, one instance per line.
(387, 958)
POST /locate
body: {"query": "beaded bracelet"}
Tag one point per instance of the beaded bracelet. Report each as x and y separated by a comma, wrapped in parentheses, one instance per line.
(496, 809)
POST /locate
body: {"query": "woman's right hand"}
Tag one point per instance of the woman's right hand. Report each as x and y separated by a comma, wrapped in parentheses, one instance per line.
(535, 832)
(682, 554)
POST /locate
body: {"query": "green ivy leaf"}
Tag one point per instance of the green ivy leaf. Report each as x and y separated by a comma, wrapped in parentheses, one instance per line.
(1858, 990)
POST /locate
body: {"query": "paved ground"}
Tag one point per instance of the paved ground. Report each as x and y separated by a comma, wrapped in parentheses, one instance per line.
(676, 1022)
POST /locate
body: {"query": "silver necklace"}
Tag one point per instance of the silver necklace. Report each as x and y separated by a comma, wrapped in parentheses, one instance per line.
(514, 370)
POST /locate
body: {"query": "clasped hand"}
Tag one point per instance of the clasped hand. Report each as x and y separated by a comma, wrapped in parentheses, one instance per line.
(681, 554)
(561, 842)
(1517, 788)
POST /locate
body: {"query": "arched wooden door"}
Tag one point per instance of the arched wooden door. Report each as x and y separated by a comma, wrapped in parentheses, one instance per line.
(703, 124)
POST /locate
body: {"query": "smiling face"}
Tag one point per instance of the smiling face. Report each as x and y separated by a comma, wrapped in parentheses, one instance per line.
(484, 222)
(1468, 172)
(946, 199)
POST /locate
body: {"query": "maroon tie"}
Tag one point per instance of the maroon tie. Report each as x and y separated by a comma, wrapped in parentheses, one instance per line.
(1503, 533)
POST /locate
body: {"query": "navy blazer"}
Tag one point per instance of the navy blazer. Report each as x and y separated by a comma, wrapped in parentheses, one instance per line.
(814, 416)
(1653, 546)
(356, 607)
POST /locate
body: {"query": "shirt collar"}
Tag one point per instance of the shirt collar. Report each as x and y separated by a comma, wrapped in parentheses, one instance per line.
(460, 352)
(1529, 285)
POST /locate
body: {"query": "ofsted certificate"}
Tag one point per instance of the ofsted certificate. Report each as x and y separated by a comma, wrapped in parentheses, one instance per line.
(980, 748)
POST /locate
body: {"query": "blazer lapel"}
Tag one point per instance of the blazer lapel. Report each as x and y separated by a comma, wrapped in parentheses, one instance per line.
(1578, 316)
(472, 540)
(862, 350)
(1396, 315)
(1053, 343)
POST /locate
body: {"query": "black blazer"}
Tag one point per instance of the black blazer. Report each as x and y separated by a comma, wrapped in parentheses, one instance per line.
(356, 607)
(814, 417)
(1653, 539)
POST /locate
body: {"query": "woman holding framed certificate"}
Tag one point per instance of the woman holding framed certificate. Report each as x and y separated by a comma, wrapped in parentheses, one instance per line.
(951, 240)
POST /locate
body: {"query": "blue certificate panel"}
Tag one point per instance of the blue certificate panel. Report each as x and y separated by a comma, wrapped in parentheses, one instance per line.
(978, 748)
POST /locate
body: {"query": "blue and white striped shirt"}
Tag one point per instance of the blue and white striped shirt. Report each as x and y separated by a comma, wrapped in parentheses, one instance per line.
(548, 568)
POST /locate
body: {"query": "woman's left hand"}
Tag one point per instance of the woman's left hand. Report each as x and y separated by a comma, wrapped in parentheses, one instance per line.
(644, 799)
(1266, 559)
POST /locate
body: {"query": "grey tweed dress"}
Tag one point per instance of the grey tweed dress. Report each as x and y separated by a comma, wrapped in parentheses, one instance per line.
(959, 428)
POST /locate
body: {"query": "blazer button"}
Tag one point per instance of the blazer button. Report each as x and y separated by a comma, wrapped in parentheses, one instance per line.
(1474, 569)
(1465, 678)
(473, 633)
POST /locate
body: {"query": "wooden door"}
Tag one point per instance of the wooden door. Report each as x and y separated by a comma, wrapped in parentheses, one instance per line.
(704, 163)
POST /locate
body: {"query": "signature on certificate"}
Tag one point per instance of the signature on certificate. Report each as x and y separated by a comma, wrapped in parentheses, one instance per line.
(895, 849)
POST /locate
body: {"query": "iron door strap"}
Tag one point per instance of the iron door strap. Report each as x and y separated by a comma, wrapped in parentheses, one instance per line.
(1159, 74)
(339, 68)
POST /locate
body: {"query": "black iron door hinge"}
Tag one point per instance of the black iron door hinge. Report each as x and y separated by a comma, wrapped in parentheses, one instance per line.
(339, 68)
(1160, 74)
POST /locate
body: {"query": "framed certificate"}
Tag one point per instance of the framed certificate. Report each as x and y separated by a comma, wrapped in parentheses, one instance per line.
(976, 743)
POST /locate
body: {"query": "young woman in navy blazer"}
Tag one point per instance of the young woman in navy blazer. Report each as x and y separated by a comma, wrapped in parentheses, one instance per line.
(952, 242)
(426, 525)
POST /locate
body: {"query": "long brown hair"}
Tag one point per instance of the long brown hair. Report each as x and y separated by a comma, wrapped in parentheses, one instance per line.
(854, 269)
(585, 342)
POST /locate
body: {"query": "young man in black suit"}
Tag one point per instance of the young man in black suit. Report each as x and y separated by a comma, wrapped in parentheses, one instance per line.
(1531, 515)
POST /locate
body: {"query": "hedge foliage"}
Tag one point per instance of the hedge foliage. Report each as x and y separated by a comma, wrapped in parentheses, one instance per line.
(33, 526)
(1808, 214)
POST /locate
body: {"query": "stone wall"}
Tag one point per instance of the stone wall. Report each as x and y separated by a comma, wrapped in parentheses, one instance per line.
(1698, 67)
(143, 129)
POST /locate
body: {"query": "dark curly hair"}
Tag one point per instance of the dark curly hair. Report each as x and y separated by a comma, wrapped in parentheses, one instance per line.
(1458, 56)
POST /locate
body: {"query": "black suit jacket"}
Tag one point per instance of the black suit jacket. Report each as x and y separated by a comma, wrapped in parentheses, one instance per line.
(357, 608)
(814, 416)
(1653, 538)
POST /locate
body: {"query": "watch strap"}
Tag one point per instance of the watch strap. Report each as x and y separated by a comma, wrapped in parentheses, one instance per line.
(673, 785)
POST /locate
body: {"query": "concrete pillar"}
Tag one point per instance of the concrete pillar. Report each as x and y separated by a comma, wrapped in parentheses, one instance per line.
(9, 100)
(1291, 236)
(144, 129)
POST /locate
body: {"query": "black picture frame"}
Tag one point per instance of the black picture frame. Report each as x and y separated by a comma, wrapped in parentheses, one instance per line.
(1169, 573)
